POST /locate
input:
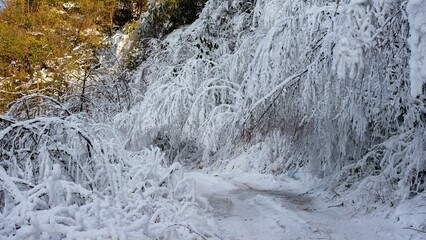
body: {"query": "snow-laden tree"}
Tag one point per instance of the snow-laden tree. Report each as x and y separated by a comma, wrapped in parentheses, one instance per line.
(319, 85)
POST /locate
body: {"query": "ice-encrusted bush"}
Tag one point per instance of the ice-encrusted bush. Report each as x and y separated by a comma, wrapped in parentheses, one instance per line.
(70, 178)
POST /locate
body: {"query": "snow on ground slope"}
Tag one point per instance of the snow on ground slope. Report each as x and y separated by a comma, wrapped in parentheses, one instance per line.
(255, 206)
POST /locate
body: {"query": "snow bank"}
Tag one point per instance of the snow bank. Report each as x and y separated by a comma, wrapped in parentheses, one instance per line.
(416, 10)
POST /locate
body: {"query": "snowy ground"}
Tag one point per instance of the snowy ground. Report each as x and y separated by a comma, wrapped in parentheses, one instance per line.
(255, 206)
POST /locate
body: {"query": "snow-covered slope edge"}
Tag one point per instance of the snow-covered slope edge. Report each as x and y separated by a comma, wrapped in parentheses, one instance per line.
(286, 86)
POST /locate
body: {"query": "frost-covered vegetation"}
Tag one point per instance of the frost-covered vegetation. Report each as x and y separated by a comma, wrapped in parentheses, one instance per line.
(333, 90)
(64, 172)
(283, 86)
(68, 177)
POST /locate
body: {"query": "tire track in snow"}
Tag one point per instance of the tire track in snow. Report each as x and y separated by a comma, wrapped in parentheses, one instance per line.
(250, 213)
(257, 207)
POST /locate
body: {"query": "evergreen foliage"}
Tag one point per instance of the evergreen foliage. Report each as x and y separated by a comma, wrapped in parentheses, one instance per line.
(164, 16)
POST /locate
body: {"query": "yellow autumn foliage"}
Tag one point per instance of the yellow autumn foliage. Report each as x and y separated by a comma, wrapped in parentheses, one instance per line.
(40, 38)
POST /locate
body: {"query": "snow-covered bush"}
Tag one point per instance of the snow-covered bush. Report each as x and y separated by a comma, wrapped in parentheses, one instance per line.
(68, 177)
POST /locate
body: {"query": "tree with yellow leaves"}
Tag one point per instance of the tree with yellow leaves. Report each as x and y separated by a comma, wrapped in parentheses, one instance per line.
(43, 40)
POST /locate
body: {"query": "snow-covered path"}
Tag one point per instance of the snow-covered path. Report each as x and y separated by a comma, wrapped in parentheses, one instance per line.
(255, 206)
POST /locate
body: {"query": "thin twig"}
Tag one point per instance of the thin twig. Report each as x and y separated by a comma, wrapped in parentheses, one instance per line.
(414, 229)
